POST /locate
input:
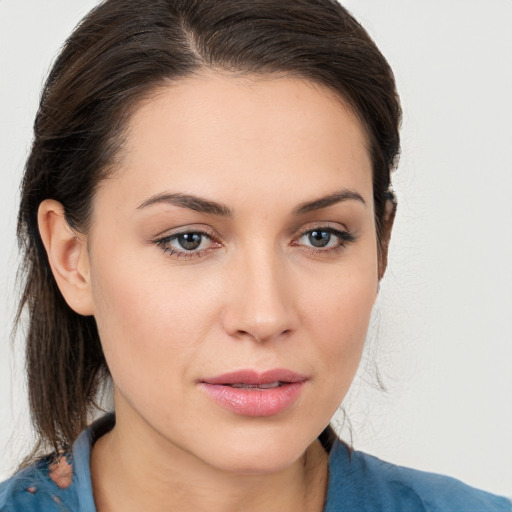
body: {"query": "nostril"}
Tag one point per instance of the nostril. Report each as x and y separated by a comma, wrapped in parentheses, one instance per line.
(261, 336)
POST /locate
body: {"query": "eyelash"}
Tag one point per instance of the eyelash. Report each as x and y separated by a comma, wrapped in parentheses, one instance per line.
(344, 238)
(164, 242)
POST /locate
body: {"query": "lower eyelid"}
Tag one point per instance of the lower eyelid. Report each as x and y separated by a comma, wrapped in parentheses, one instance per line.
(176, 252)
(343, 235)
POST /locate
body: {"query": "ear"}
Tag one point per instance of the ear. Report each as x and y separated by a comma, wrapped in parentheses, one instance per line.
(389, 219)
(67, 255)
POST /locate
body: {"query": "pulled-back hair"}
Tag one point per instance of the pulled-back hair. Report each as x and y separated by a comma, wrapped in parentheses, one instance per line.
(118, 55)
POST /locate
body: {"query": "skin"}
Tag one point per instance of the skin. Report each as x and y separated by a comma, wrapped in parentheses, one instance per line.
(257, 294)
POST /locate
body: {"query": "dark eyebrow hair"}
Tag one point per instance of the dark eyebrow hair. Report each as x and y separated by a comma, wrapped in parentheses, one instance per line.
(324, 202)
(188, 201)
(206, 206)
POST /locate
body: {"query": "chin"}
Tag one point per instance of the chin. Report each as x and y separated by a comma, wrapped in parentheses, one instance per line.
(260, 452)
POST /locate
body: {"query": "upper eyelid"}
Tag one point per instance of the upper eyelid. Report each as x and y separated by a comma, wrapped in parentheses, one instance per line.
(335, 226)
(163, 242)
(343, 235)
(213, 234)
(170, 233)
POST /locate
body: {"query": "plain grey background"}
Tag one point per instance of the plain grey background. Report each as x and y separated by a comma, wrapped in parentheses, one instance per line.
(442, 334)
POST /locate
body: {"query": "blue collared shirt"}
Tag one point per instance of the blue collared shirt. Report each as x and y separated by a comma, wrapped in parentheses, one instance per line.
(357, 482)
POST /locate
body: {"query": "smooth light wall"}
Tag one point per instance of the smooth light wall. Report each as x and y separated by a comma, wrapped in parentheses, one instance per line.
(441, 337)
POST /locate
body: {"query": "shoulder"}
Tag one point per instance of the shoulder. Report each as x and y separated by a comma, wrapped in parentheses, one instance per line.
(63, 486)
(363, 482)
(34, 490)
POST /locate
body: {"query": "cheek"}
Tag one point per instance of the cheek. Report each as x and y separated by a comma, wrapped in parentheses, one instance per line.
(148, 315)
(339, 315)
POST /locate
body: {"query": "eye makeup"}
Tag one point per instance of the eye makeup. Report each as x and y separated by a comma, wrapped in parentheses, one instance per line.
(189, 242)
(197, 242)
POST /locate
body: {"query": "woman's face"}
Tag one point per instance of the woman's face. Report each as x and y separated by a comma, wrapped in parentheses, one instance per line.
(233, 268)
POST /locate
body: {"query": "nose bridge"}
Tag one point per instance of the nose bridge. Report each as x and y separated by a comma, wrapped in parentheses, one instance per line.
(260, 306)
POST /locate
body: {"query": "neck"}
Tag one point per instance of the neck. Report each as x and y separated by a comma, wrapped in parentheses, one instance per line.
(131, 472)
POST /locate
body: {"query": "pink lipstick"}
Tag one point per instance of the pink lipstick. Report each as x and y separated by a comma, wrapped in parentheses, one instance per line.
(249, 393)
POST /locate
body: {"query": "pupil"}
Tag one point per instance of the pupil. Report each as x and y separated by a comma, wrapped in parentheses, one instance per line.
(319, 238)
(190, 241)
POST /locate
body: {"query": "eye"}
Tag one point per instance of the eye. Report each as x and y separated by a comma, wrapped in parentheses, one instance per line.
(319, 238)
(186, 244)
(189, 241)
(324, 238)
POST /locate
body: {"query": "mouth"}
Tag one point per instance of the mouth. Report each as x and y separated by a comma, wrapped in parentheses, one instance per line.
(250, 393)
(270, 385)
(254, 379)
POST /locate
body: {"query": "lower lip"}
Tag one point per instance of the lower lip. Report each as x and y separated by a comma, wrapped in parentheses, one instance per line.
(255, 401)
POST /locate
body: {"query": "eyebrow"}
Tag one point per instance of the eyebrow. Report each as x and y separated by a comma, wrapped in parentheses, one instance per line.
(199, 204)
(326, 201)
(188, 201)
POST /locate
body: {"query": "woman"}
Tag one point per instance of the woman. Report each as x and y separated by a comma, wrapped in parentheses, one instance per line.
(205, 214)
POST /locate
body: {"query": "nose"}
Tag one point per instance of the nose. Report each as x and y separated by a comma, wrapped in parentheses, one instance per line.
(260, 298)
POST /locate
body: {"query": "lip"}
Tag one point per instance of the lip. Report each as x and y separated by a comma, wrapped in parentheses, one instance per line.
(267, 394)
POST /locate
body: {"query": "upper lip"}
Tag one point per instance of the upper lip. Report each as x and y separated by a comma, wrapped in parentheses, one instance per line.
(255, 378)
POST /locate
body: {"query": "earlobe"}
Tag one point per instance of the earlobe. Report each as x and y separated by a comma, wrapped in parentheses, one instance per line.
(67, 256)
(389, 218)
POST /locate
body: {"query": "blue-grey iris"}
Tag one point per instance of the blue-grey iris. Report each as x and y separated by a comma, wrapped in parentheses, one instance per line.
(190, 241)
(319, 238)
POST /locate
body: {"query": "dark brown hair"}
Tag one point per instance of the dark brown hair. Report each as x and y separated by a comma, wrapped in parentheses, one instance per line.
(119, 54)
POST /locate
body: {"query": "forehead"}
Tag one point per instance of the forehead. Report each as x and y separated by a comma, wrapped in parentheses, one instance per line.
(218, 134)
